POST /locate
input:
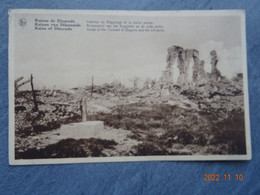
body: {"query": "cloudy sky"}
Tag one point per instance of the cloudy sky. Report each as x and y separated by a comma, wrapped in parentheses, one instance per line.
(70, 59)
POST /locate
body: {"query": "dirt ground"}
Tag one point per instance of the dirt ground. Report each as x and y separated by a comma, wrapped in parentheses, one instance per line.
(148, 121)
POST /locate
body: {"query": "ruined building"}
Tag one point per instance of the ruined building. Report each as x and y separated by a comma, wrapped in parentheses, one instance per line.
(185, 69)
(214, 60)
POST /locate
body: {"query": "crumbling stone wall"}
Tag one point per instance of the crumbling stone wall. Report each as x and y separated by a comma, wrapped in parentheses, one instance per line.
(214, 61)
(182, 68)
(187, 67)
(201, 71)
(196, 67)
(191, 69)
(173, 54)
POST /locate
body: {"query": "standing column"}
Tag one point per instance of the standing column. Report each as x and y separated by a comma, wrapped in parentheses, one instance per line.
(84, 110)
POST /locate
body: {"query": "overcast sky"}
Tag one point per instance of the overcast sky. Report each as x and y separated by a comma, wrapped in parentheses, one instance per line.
(70, 59)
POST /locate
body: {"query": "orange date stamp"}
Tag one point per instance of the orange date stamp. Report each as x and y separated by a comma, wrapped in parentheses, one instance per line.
(226, 177)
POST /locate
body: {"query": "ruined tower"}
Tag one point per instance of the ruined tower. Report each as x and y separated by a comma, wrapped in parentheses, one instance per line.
(201, 71)
(196, 67)
(181, 66)
(173, 55)
(190, 68)
(214, 61)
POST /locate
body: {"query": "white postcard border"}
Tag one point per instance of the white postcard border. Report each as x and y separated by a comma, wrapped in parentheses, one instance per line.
(13, 161)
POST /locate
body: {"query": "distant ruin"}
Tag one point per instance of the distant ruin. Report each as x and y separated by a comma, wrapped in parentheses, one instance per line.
(190, 69)
(214, 60)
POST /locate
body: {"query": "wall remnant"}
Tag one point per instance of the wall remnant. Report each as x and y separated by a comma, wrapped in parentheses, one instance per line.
(214, 61)
(189, 66)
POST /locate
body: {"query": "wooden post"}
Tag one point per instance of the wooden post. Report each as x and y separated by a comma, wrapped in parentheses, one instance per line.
(34, 95)
(84, 109)
(23, 83)
(19, 79)
(15, 88)
(92, 85)
(16, 83)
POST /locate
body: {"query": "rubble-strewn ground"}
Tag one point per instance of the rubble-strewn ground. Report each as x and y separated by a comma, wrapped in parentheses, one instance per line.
(206, 119)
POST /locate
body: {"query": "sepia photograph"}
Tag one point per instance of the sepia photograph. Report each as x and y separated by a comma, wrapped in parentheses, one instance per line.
(112, 86)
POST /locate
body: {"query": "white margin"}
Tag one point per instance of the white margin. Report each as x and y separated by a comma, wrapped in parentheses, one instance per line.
(12, 160)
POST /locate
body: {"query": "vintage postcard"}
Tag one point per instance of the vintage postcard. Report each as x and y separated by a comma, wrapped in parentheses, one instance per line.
(106, 86)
